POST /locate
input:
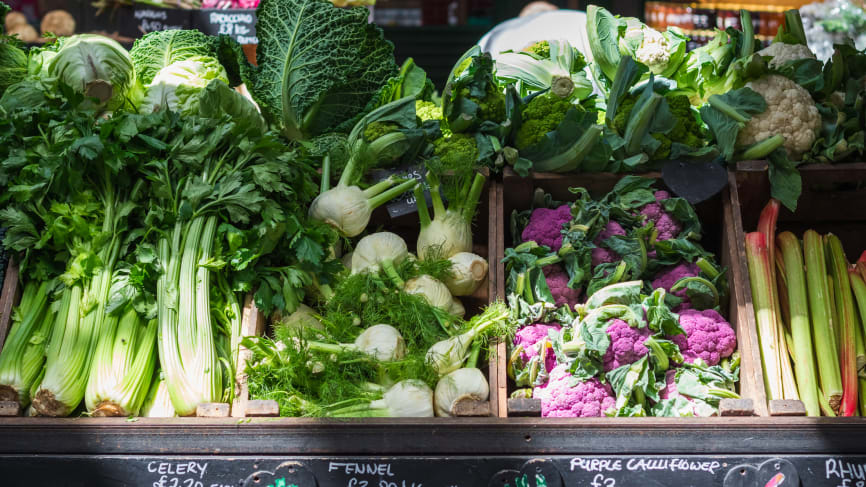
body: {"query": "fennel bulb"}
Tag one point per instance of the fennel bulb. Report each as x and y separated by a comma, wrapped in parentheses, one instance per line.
(347, 207)
(465, 383)
(468, 272)
(456, 308)
(382, 342)
(434, 291)
(450, 354)
(410, 398)
(450, 231)
(383, 249)
(302, 320)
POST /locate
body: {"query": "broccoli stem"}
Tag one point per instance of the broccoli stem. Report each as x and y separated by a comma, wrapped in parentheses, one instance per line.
(681, 284)
(392, 193)
(707, 268)
(421, 203)
(326, 174)
(762, 149)
(794, 25)
(748, 45)
(471, 201)
(719, 104)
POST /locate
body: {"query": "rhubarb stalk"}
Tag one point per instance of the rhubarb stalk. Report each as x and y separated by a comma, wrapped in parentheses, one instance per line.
(761, 279)
(820, 308)
(798, 313)
(847, 337)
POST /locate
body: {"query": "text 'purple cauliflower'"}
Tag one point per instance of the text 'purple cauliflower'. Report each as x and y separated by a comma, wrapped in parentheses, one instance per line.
(626, 345)
(708, 336)
(557, 280)
(562, 398)
(666, 226)
(602, 255)
(529, 338)
(545, 226)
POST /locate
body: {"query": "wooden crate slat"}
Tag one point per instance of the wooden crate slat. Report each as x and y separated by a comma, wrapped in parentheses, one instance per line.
(252, 324)
(8, 298)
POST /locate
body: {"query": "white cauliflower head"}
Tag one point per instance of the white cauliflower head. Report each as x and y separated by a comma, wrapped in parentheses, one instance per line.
(781, 53)
(653, 51)
(791, 112)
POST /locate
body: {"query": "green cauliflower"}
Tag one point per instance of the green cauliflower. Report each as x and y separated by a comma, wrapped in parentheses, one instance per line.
(540, 49)
(377, 129)
(492, 106)
(427, 110)
(540, 116)
(457, 152)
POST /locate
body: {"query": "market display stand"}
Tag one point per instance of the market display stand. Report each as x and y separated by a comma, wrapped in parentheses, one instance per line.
(479, 451)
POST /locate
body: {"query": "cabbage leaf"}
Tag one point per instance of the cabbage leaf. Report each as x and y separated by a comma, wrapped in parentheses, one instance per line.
(318, 66)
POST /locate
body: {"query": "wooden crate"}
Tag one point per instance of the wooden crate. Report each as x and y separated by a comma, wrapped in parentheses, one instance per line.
(254, 322)
(833, 200)
(719, 237)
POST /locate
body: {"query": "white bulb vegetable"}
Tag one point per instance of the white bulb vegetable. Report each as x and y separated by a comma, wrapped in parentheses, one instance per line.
(450, 231)
(407, 399)
(457, 308)
(380, 250)
(450, 354)
(434, 291)
(382, 342)
(466, 383)
(468, 272)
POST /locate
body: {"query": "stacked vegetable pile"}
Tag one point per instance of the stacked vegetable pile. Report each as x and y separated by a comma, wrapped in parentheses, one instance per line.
(810, 309)
(619, 306)
(645, 100)
(144, 198)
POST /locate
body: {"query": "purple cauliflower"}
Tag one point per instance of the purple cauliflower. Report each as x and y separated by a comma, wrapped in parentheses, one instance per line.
(668, 277)
(562, 398)
(545, 226)
(626, 345)
(602, 255)
(708, 336)
(530, 336)
(666, 226)
(557, 280)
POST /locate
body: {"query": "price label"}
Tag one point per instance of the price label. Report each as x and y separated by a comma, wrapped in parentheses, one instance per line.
(152, 19)
(239, 24)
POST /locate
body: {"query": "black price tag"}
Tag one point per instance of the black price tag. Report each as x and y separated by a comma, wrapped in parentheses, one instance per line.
(695, 181)
(152, 19)
(405, 203)
(239, 24)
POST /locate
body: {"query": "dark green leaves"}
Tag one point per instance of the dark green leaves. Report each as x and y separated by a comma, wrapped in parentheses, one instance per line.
(318, 65)
(726, 114)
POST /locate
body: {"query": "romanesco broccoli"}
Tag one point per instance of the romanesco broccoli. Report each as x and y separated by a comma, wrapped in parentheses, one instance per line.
(459, 151)
(542, 115)
(377, 129)
(687, 130)
(492, 106)
(541, 49)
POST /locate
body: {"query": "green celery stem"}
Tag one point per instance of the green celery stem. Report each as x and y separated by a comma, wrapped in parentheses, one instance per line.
(765, 314)
(762, 149)
(847, 321)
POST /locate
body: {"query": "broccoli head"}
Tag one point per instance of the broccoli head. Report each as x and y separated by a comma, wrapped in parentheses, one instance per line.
(601, 255)
(545, 226)
(541, 115)
(492, 106)
(708, 336)
(686, 130)
(563, 396)
(377, 129)
(626, 344)
(427, 110)
(666, 225)
(620, 120)
(557, 281)
(540, 49)
(458, 152)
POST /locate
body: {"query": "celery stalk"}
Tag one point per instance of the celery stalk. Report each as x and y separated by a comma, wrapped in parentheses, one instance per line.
(820, 306)
(847, 323)
(23, 355)
(767, 320)
(798, 312)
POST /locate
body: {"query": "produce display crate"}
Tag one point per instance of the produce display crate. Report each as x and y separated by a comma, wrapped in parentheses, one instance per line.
(254, 323)
(719, 237)
(833, 200)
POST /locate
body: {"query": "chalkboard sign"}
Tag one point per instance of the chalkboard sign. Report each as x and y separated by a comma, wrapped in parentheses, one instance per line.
(239, 24)
(152, 19)
(405, 203)
(475, 471)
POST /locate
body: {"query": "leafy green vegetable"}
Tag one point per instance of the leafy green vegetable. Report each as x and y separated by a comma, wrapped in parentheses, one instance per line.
(318, 66)
(561, 70)
(179, 85)
(97, 67)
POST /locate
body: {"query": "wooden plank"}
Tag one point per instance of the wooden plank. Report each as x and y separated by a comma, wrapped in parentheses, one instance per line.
(252, 324)
(10, 408)
(742, 314)
(9, 297)
(493, 370)
(468, 407)
(261, 408)
(787, 407)
(736, 407)
(524, 407)
(212, 410)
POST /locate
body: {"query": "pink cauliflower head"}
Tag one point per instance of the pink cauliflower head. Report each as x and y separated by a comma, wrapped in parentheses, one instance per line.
(602, 255)
(670, 275)
(545, 226)
(708, 336)
(562, 398)
(665, 224)
(530, 336)
(626, 345)
(557, 280)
